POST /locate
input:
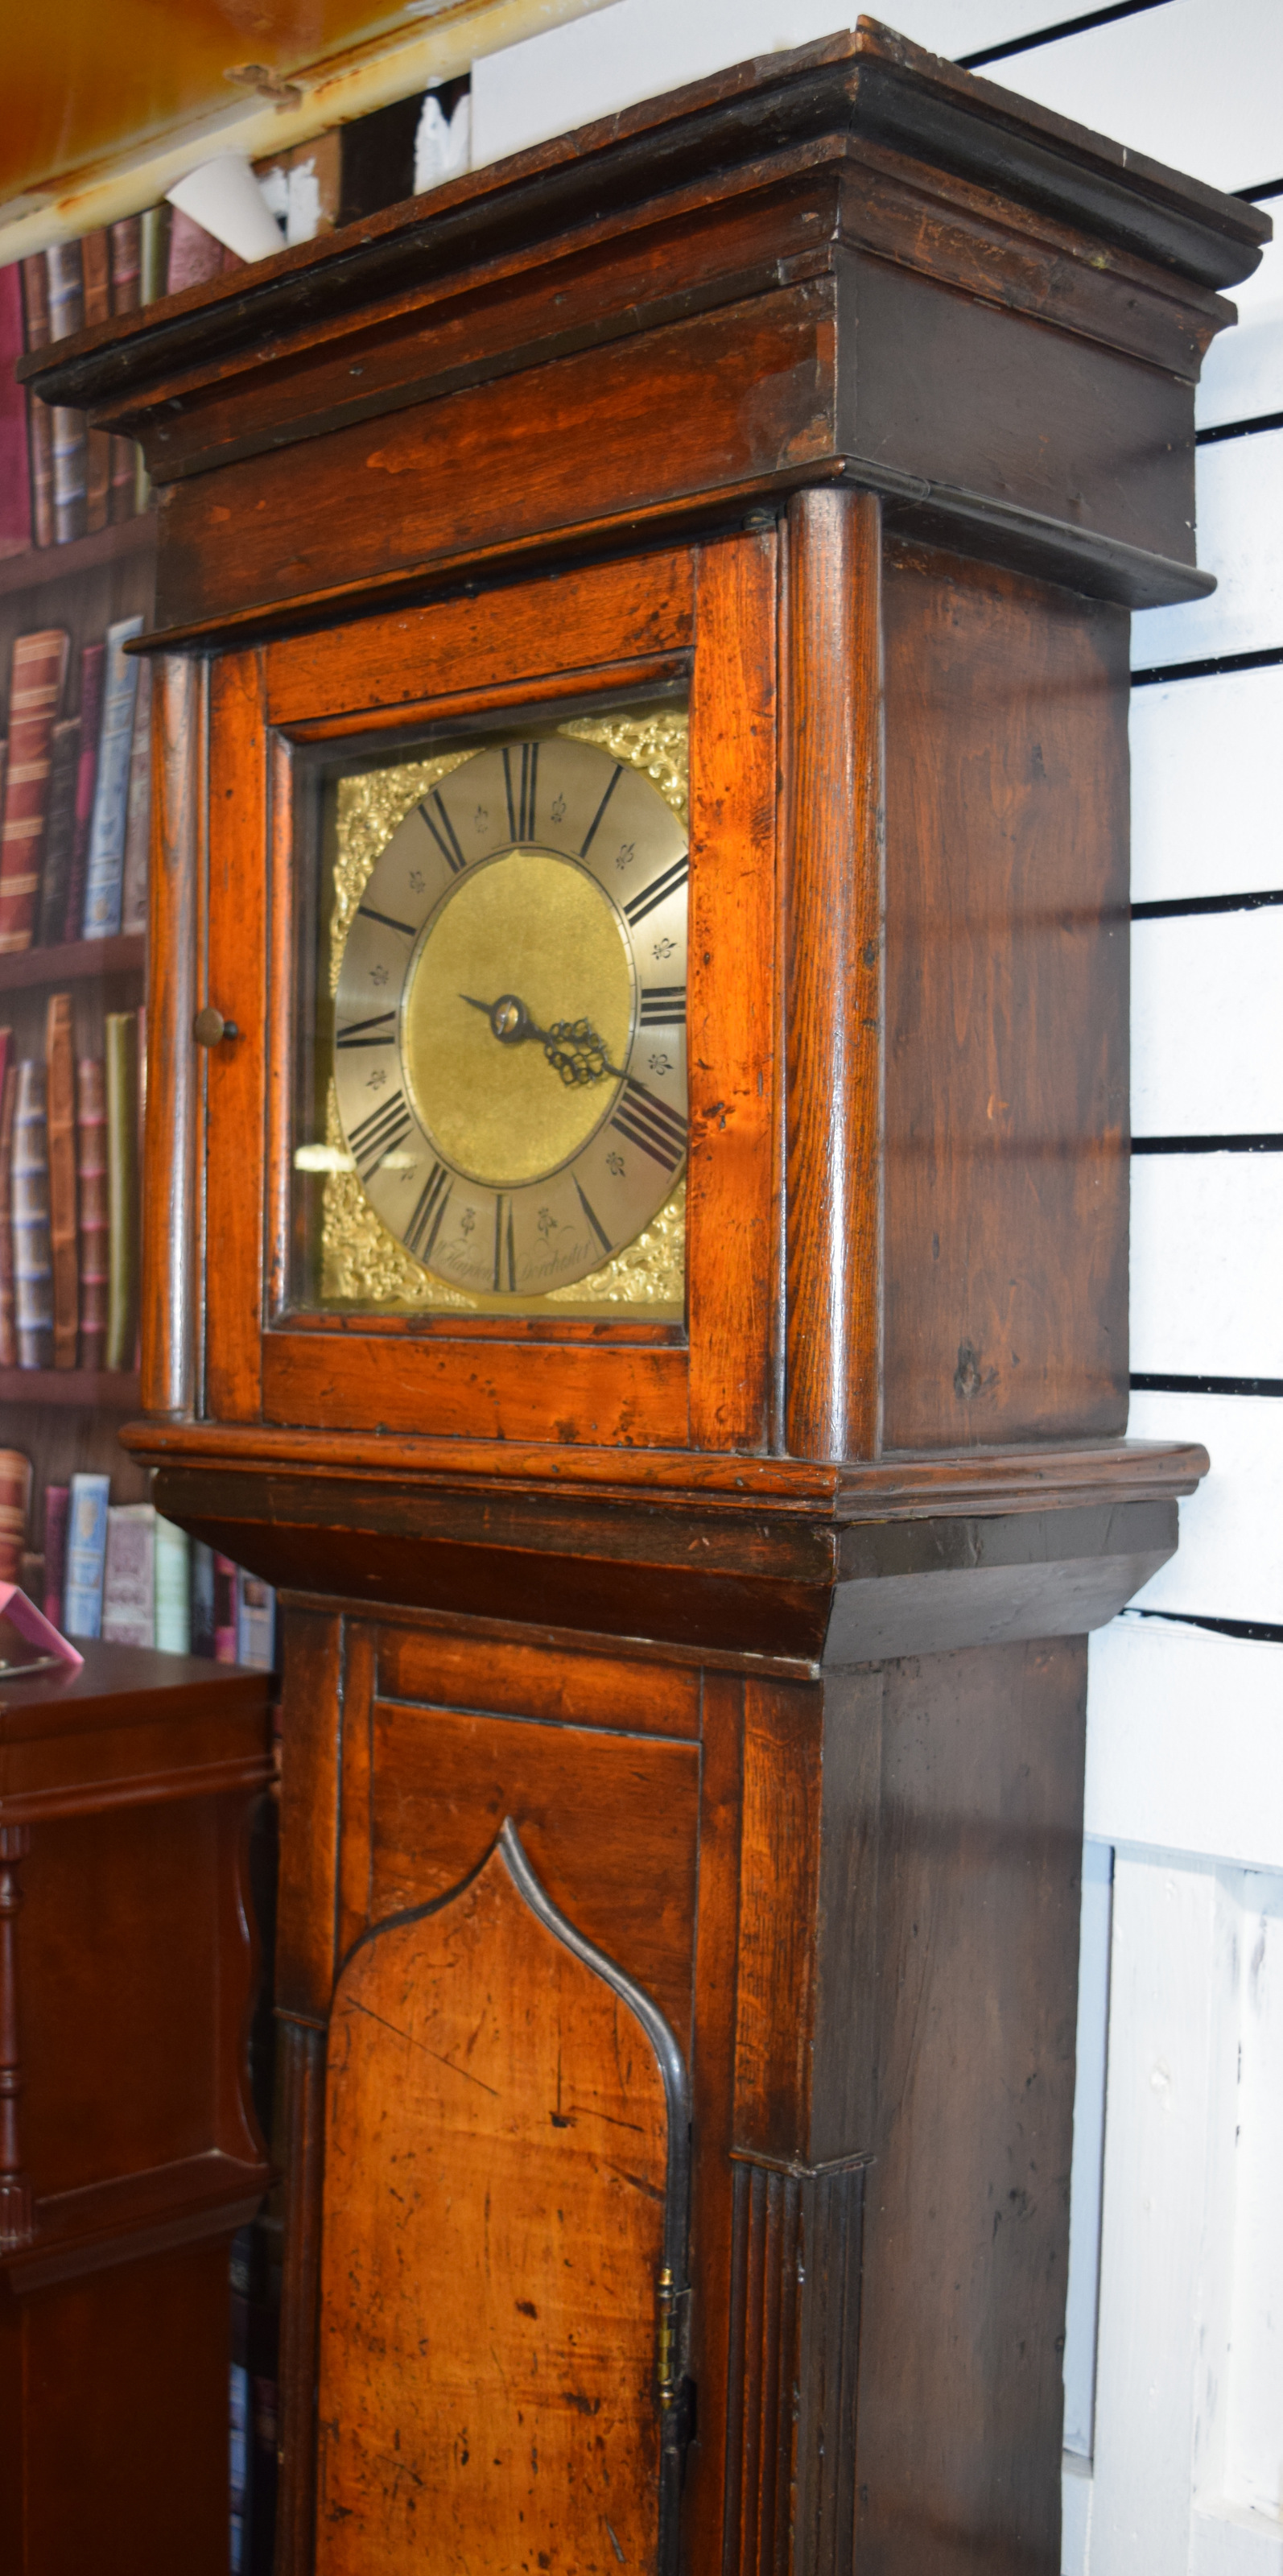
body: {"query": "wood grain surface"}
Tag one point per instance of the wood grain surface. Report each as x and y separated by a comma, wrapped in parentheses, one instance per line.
(605, 613)
(833, 976)
(574, 1797)
(125, 1789)
(980, 1852)
(733, 1302)
(742, 392)
(1007, 1104)
(458, 1387)
(236, 986)
(173, 1262)
(487, 2388)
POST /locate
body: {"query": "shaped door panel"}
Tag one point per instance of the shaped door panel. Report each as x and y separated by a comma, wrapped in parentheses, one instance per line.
(506, 2154)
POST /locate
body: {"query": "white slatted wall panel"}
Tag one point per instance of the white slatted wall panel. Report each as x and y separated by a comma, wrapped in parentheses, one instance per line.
(1178, 2468)
(1174, 2366)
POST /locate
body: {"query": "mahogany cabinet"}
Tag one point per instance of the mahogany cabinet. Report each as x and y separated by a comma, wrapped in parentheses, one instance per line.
(686, 1608)
(129, 2151)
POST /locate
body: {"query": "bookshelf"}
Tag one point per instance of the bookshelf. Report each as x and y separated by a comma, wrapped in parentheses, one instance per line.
(76, 961)
(38, 567)
(102, 1390)
(67, 1420)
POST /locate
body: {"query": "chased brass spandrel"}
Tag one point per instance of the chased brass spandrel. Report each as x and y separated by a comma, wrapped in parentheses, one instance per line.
(657, 744)
(651, 1271)
(361, 1263)
(370, 804)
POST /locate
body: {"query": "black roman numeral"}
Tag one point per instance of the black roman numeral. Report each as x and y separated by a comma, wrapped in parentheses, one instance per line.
(586, 845)
(379, 1133)
(521, 814)
(663, 1006)
(406, 927)
(594, 1220)
(655, 892)
(446, 837)
(425, 1224)
(650, 1123)
(504, 1254)
(380, 1031)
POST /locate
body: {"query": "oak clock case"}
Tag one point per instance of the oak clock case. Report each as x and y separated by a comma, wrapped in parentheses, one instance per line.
(716, 1655)
(494, 1101)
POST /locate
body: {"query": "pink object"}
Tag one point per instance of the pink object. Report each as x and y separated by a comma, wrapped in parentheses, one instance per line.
(32, 1624)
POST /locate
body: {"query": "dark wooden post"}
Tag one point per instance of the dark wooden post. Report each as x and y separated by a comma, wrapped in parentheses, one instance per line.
(833, 912)
(15, 2189)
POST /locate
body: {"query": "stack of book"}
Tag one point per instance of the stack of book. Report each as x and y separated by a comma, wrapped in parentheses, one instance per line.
(15, 1501)
(66, 480)
(60, 479)
(75, 790)
(119, 1571)
(69, 1166)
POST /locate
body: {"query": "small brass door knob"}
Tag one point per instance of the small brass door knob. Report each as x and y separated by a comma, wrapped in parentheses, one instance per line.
(209, 1027)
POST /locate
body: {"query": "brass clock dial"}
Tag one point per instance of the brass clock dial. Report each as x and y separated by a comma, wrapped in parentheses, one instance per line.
(510, 1020)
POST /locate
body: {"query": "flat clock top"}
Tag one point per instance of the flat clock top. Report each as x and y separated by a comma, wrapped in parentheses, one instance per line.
(510, 1021)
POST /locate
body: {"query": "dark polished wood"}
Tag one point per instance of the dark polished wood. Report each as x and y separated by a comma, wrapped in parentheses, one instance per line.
(731, 318)
(129, 2151)
(72, 963)
(853, 400)
(44, 567)
(833, 997)
(177, 904)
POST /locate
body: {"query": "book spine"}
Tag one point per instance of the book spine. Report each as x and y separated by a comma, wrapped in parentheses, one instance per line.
(69, 463)
(8, 1099)
(133, 900)
(122, 1187)
(95, 252)
(126, 264)
(15, 461)
(70, 442)
(57, 1498)
(111, 791)
(86, 1554)
(93, 672)
(126, 295)
(65, 269)
(15, 1501)
(173, 1589)
(255, 1622)
(35, 302)
(153, 251)
(60, 1067)
(60, 830)
(32, 1275)
(97, 480)
(91, 1172)
(225, 1609)
(194, 255)
(202, 1598)
(129, 1575)
(124, 479)
(39, 669)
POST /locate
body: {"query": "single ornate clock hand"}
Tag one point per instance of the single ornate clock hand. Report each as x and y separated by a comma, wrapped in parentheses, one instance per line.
(572, 1047)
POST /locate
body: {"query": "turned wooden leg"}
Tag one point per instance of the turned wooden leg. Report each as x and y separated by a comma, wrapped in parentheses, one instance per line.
(16, 2221)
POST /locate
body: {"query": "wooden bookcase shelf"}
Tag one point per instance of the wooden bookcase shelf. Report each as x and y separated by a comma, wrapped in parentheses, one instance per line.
(97, 1390)
(65, 1420)
(40, 565)
(74, 962)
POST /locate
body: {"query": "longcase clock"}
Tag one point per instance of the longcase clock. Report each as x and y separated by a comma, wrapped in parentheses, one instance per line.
(637, 1234)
